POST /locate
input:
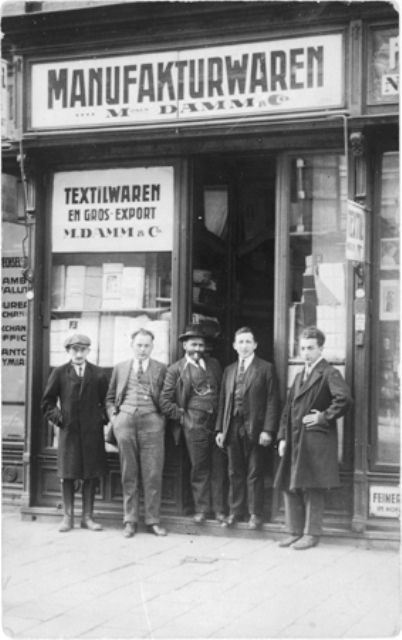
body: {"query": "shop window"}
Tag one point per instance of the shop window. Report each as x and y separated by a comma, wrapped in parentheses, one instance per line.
(112, 235)
(387, 312)
(14, 331)
(317, 235)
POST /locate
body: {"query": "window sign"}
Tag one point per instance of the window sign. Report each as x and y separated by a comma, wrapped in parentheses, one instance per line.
(384, 501)
(383, 72)
(113, 210)
(13, 331)
(355, 232)
(253, 78)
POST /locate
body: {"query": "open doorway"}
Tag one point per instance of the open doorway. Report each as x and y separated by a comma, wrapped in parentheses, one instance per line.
(233, 250)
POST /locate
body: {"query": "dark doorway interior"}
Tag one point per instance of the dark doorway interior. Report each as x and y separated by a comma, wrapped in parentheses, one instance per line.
(233, 249)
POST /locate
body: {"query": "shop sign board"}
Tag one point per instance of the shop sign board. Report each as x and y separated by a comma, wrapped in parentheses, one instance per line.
(384, 501)
(113, 210)
(355, 231)
(383, 61)
(244, 79)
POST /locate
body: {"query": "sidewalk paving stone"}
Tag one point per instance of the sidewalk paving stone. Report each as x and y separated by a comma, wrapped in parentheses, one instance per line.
(101, 585)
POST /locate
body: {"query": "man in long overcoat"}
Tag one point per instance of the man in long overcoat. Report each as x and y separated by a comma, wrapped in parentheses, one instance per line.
(74, 400)
(246, 423)
(308, 441)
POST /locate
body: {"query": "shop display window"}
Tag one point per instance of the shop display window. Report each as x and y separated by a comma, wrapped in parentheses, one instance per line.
(14, 331)
(387, 312)
(317, 238)
(110, 272)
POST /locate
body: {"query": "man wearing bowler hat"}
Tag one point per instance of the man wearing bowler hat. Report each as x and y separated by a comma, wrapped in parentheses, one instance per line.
(74, 400)
(190, 398)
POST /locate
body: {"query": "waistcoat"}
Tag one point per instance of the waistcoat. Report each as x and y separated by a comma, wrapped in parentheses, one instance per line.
(138, 396)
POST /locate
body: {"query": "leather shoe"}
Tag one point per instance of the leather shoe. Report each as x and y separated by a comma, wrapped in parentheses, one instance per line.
(90, 524)
(156, 530)
(129, 530)
(230, 521)
(287, 542)
(199, 518)
(220, 517)
(306, 542)
(255, 522)
(66, 524)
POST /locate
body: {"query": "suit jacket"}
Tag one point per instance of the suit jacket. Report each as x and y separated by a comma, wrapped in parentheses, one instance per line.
(119, 380)
(80, 416)
(260, 401)
(177, 390)
(311, 454)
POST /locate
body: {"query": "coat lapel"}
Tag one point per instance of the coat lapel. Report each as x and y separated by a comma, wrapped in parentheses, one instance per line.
(231, 381)
(315, 375)
(251, 373)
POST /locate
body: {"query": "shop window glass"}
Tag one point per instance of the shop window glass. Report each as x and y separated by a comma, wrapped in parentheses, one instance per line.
(14, 331)
(387, 356)
(111, 262)
(317, 232)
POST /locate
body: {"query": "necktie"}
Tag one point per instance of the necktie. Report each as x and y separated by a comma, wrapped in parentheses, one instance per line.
(306, 373)
(241, 370)
(140, 369)
(80, 371)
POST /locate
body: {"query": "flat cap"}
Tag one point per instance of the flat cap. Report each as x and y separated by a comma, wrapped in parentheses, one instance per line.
(77, 339)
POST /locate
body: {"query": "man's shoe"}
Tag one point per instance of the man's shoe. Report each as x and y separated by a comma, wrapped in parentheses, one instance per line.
(199, 518)
(129, 530)
(156, 530)
(66, 524)
(90, 524)
(220, 517)
(255, 522)
(230, 521)
(287, 542)
(306, 542)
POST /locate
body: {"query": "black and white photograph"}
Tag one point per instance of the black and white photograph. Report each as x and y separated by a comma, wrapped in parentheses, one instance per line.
(200, 319)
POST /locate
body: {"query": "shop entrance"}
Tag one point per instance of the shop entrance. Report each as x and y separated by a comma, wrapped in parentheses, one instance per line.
(233, 250)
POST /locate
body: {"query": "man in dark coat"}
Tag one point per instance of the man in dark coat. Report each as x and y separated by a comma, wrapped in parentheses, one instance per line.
(190, 398)
(133, 406)
(308, 442)
(246, 423)
(74, 401)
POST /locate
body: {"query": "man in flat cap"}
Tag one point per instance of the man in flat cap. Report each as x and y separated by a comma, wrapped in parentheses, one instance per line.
(190, 398)
(74, 400)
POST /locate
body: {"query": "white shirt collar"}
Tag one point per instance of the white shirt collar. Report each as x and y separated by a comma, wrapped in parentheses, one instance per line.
(247, 361)
(200, 363)
(311, 366)
(145, 364)
(77, 368)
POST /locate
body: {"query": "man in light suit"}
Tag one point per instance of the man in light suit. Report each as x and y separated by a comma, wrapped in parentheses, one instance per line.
(132, 403)
(308, 441)
(246, 423)
(190, 398)
(74, 401)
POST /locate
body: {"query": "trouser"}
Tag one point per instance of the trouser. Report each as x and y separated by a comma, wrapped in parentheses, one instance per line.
(304, 510)
(208, 473)
(141, 443)
(246, 477)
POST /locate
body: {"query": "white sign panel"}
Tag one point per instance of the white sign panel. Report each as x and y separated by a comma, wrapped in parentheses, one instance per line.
(355, 232)
(113, 210)
(384, 501)
(253, 78)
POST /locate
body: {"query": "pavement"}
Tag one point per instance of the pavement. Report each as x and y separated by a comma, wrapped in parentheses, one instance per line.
(85, 584)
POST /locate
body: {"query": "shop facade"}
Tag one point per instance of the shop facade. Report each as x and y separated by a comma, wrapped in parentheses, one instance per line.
(225, 165)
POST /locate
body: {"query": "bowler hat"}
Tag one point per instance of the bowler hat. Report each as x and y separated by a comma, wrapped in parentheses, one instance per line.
(193, 331)
(77, 339)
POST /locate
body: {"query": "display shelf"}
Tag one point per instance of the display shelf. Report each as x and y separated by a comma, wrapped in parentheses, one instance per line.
(109, 311)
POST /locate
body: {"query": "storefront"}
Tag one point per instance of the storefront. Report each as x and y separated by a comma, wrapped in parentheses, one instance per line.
(215, 164)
